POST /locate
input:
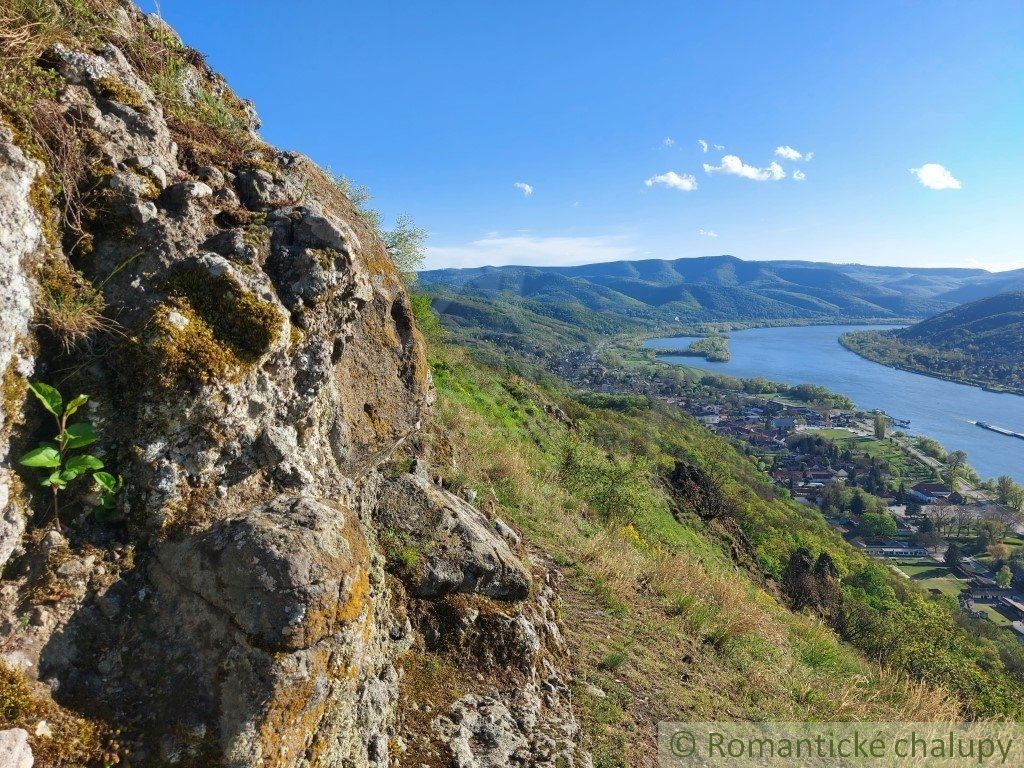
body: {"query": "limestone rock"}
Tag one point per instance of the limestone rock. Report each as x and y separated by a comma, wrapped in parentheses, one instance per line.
(460, 551)
(286, 574)
(14, 749)
(21, 237)
(482, 733)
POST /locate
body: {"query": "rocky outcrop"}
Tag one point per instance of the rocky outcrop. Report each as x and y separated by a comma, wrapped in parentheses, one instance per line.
(455, 548)
(810, 583)
(263, 366)
(21, 239)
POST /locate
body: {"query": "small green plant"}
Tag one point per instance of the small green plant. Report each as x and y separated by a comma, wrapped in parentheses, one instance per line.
(62, 458)
(613, 660)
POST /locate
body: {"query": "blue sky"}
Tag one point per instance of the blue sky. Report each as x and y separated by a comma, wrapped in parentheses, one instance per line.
(441, 108)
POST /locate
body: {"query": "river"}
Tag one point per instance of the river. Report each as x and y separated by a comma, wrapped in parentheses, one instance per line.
(939, 409)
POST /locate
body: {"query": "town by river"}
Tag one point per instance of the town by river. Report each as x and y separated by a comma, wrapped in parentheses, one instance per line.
(939, 409)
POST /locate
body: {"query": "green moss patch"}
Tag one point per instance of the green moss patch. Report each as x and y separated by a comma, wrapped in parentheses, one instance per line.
(114, 90)
(211, 329)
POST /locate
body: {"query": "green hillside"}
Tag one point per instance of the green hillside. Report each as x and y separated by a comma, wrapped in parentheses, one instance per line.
(566, 303)
(980, 343)
(674, 550)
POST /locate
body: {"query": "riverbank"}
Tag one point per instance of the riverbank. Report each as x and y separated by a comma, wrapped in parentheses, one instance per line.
(936, 408)
(861, 344)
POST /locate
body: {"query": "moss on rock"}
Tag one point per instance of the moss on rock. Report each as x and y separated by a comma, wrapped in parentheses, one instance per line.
(74, 740)
(211, 329)
(114, 90)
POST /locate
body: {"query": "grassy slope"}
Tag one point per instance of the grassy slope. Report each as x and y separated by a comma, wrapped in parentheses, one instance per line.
(662, 622)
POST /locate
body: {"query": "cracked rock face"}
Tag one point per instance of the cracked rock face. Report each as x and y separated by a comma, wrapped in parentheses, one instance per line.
(266, 365)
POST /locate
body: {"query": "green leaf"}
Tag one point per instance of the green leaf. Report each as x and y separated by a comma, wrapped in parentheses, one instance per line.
(75, 404)
(107, 481)
(43, 456)
(83, 463)
(48, 396)
(79, 435)
(55, 480)
(67, 475)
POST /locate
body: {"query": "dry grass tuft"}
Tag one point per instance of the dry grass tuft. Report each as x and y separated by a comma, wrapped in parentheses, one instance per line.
(71, 308)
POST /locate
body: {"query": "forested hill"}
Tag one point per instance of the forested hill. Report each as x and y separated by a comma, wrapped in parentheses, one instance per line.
(978, 343)
(653, 294)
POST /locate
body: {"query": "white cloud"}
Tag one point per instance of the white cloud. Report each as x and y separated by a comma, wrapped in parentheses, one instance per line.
(935, 176)
(788, 153)
(668, 141)
(529, 250)
(734, 166)
(719, 147)
(707, 232)
(523, 187)
(684, 183)
(799, 175)
(703, 146)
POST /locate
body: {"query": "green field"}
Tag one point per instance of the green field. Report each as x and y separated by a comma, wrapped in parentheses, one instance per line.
(931, 575)
(996, 616)
(903, 467)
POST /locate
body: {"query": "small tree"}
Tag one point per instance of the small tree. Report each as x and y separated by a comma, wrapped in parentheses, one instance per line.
(1004, 489)
(404, 243)
(998, 552)
(1003, 577)
(881, 426)
(405, 247)
(875, 524)
(956, 463)
(954, 557)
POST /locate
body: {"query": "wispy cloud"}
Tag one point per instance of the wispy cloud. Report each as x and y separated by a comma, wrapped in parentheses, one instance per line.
(683, 182)
(703, 145)
(707, 232)
(530, 250)
(935, 176)
(668, 141)
(788, 153)
(799, 175)
(733, 166)
(523, 187)
(719, 147)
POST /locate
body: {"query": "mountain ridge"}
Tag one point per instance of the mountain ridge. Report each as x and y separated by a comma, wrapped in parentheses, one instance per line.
(655, 294)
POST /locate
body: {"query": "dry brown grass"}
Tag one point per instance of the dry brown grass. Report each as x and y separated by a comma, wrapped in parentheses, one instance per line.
(69, 306)
(721, 606)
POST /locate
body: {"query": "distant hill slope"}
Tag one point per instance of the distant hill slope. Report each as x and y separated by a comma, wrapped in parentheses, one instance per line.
(654, 294)
(980, 343)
